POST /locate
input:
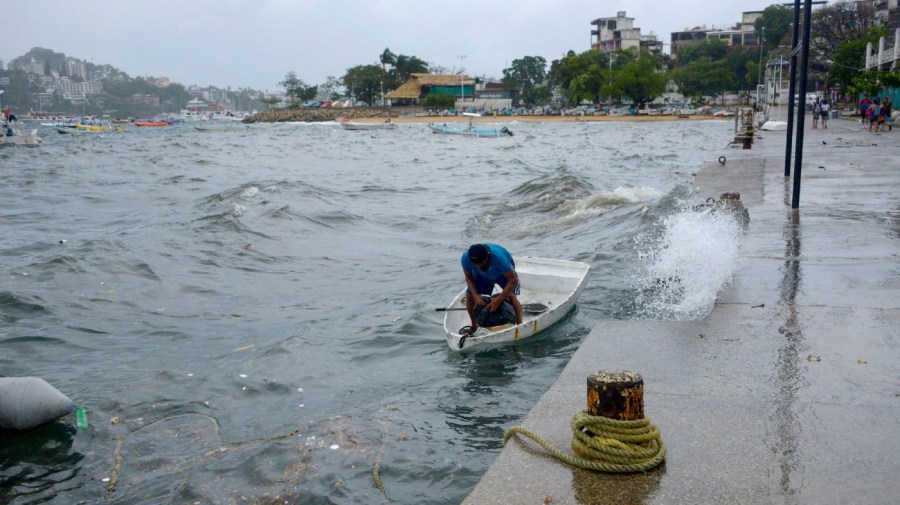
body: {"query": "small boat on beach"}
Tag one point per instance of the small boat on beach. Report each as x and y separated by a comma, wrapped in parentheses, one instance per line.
(470, 131)
(549, 290)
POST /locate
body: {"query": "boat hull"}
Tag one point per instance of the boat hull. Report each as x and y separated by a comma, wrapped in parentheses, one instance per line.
(368, 126)
(551, 282)
(470, 132)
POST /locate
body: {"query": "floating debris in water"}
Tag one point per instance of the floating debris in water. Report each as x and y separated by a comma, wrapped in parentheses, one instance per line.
(243, 376)
(813, 357)
(334, 447)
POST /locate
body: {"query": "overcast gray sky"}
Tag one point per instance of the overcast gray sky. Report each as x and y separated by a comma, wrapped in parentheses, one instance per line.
(254, 43)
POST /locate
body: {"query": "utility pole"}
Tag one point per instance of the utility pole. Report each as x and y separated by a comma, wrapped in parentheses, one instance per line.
(762, 40)
(462, 92)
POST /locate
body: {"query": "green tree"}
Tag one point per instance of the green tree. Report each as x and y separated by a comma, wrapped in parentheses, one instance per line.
(364, 82)
(841, 22)
(525, 75)
(709, 50)
(642, 79)
(580, 76)
(777, 20)
(269, 101)
(703, 78)
(440, 100)
(293, 86)
(404, 67)
(331, 87)
(848, 60)
(387, 58)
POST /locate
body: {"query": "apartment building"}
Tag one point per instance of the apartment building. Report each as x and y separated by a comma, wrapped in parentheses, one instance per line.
(742, 33)
(614, 33)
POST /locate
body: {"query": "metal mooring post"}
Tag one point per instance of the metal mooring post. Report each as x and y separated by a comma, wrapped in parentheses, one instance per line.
(795, 37)
(801, 115)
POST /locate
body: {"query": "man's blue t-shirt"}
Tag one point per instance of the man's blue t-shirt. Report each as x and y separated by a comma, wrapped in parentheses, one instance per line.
(501, 262)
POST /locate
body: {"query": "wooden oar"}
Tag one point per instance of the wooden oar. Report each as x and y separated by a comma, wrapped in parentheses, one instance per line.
(531, 308)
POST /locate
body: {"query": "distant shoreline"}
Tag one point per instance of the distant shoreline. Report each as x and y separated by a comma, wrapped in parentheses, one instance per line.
(378, 115)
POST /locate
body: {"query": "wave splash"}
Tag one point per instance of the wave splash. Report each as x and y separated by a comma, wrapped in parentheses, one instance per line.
(684, 262)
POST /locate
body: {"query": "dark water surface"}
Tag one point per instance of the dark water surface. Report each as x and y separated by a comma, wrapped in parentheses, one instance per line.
(247, 316)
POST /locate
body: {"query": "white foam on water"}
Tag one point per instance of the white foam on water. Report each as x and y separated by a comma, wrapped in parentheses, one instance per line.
(250, 192)
(695, 256)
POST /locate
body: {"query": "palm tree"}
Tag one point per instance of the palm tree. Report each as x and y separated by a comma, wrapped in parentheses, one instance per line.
(404, 66)
(387, 58)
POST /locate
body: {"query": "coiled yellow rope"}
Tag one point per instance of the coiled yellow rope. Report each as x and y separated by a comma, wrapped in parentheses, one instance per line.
(606, 445)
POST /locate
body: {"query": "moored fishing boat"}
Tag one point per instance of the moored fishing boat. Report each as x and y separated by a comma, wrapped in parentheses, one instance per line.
(350, 125)
(470, 131)
(151, 123)
(549, 290)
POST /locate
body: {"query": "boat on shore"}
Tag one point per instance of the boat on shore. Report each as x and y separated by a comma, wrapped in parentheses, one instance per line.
(549, 290)
(470, 131)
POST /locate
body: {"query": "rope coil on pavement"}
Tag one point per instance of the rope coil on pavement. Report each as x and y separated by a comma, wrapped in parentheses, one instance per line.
(606, 445)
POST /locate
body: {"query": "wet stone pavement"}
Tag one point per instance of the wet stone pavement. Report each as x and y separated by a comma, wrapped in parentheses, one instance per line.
(789, 392)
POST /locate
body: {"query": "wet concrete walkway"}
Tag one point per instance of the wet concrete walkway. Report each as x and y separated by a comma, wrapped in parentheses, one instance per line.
(789, 392)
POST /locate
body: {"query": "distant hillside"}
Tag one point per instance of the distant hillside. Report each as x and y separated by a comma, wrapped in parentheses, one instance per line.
(58, 86)
(56, 61)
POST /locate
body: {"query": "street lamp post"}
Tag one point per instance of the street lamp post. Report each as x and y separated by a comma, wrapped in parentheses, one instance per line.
(382, 93)
(609, 103)
(462, 92)
(762, 39)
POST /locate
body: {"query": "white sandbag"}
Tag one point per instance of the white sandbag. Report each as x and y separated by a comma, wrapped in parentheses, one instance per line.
(26, 402)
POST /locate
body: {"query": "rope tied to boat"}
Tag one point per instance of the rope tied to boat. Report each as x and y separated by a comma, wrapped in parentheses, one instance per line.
(606, 445)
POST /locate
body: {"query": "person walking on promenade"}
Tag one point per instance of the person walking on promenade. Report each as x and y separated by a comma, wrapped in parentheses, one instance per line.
(863, 109)
(885, 116)
(825, 109)
(817, 111)
(875, 116)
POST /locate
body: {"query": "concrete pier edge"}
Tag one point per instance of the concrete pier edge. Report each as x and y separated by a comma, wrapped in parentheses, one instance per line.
(789, 391)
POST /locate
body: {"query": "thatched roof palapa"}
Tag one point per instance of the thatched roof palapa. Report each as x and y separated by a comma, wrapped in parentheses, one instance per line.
(412, 89)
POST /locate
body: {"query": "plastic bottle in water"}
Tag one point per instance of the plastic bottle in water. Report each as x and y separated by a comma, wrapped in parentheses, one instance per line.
(81, 418)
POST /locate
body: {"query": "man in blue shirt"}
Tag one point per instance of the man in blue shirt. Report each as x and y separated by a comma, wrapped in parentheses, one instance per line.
(486, 265)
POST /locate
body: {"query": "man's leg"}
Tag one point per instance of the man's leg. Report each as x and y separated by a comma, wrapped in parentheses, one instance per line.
(517, 306)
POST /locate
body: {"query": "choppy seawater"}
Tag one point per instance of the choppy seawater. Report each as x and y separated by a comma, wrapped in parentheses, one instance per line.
(203, 294)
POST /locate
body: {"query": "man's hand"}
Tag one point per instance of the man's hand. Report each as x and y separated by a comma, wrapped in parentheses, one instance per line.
(495, 304)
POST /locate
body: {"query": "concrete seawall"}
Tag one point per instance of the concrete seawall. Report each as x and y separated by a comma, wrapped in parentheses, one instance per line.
(789, 392)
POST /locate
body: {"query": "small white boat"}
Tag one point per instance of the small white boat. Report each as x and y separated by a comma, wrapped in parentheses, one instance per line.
(549, 290)
(470, 131)
(349, 125)
(10, 136)
(774, 126)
